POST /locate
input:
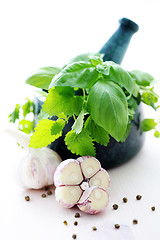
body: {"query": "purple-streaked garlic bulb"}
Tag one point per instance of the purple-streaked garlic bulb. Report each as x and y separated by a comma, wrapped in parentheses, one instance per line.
(37, 166)
(82, 182)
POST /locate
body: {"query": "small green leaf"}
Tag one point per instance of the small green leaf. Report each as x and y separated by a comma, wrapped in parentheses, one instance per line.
(147, 125)
(142, 78)
(97, 133)
(46, 132)
(42, 78)
(57, 126)
(114, 72)
(80, 144)
(79, 74)
(107, 105)
(26, 126)
(84, 57)
(157, 134)
(15, 114)
(149, 97)
(28, 107)
(62, 99)
(78, 124)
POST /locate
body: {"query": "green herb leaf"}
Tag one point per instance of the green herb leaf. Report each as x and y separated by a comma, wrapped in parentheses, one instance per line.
(28, 107)
(84, 57)
(97, 133)
(78, 124)
(118, 75)
(149, 97)
(142, 78)
(79, 74)
(62, 99)
(26, 126)
(127, 132)
(46, 132)
(157, 134)
(147, 125)
(15, 114)
(42, 78)
(81, 143)
(107, 105)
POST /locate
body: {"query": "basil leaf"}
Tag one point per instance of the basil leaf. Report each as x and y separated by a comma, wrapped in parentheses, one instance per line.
(62, 99)
(107, 105)
(79, 74)
(42, 78)
(149, 97)
(84, 57)
(147, 125)
(142, 78)
(117, 74)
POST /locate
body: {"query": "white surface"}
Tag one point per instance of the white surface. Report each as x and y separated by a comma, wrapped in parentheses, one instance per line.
(43, 217)
(46, 33)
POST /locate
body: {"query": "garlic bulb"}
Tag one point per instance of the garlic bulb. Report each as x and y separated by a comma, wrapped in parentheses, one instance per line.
(37, 166)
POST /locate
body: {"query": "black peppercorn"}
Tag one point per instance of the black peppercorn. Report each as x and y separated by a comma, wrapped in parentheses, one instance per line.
(49, 192)
(115, 206)
(125, 200)
(75, 223)
(117, 226)
(27, 198)
(74, 236)
(94, 228)
(135, 221)
(138, 197)
(77, 215)
(43, 195)
(153, 208)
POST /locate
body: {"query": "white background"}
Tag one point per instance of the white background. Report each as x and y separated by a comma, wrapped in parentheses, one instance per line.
(48, 33)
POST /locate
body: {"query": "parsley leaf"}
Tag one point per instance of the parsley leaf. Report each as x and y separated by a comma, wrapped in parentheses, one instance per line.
(46, 132)
(62, 99)
(97, 133)
(81, 143)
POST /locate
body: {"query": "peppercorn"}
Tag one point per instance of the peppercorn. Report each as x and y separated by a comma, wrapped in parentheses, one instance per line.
(94, 228)
(65, 222)
(117, 226)
(77, 215)
(75, 223)
(115, 206)
(74, 236)
(43, 195)
(135, 221)
(125, 200)
(27, 198)
(138, 197)
(49, 192)
(153, 208)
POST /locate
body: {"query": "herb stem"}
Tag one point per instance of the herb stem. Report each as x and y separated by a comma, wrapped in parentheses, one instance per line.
(84, 94)
(74, 117)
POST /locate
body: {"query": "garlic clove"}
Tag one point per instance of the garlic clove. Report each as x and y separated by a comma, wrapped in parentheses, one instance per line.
(89, 165)
(68, 196)
(100, 179)
(68, 173)
(93, 200)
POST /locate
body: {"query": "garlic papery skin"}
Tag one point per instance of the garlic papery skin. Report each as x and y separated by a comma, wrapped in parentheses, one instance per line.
(37, 166)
